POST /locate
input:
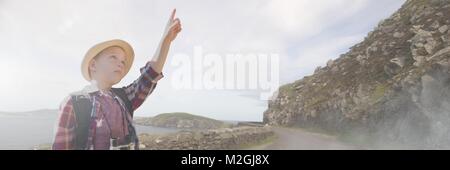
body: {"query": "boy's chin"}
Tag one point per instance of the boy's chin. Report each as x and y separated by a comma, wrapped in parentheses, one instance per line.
(114, 82)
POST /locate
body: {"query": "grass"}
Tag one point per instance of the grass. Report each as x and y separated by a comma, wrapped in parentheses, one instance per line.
(288, 89)
(181, 115)
(45, 146)
(378, 93)
(168, 117)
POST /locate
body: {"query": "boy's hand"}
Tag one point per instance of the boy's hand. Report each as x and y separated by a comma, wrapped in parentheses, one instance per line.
(173, 27)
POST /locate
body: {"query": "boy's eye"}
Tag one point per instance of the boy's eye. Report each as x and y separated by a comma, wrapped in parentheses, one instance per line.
(115, 58)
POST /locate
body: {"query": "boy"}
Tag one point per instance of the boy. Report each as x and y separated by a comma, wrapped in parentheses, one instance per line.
(100, 117)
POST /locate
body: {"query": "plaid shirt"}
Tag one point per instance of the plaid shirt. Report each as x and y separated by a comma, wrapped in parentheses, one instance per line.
(108, 110)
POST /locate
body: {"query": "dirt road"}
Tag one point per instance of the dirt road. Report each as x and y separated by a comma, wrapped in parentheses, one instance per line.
(298, 139)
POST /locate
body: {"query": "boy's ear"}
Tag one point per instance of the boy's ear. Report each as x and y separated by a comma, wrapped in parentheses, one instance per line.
(92, 65)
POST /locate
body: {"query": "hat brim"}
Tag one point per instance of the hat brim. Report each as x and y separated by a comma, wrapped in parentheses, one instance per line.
(96, 49)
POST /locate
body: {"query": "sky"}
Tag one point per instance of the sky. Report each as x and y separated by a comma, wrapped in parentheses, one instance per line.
(43, 42)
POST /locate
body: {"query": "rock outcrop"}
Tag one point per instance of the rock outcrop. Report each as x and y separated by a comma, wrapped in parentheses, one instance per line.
(394, 87)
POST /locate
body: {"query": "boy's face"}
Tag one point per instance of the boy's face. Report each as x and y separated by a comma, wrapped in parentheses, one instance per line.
(108, 66)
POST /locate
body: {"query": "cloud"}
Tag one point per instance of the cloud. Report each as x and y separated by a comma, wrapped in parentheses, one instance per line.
(312, 56)
(44, 41)
(302, 18)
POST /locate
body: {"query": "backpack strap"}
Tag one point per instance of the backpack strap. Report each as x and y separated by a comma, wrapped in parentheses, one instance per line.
(132, 137)
(82, 107)
(120, 92)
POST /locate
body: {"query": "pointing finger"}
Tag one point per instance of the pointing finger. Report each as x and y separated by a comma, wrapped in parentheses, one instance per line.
(172, 16)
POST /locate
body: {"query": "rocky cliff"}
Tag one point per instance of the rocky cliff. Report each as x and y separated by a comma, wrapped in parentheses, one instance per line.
(392, 88)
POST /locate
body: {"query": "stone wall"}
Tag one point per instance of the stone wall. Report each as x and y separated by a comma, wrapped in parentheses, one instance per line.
(225, 138)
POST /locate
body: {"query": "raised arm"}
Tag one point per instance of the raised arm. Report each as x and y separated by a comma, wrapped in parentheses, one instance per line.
(173, 27)
(138, 91)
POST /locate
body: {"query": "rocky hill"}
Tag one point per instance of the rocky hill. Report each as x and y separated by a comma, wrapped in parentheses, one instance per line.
(392, 88)
(181, 120)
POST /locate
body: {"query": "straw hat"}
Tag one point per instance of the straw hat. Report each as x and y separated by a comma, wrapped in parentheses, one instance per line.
(96, 49)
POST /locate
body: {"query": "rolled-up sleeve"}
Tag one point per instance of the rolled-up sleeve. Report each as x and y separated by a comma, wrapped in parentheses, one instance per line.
(138, 91)
(65, 128)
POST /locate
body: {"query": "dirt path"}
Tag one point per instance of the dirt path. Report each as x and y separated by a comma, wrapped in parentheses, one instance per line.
(298, 139)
